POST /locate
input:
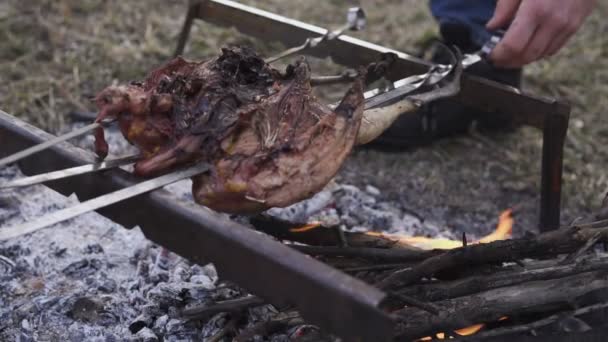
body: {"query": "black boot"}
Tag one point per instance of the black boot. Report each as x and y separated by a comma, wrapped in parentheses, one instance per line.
(447, 117)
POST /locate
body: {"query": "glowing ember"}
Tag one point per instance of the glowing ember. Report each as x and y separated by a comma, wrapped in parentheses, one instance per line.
(502, 231)
(469, 330)
(306, 228)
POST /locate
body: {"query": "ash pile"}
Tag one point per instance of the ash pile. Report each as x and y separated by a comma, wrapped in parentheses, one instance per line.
(91, 279)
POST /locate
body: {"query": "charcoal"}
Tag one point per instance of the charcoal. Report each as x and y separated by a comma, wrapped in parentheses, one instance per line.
(140, 322)
(6, 265)
(9, 172)
(166, 294)
(214, 324)
(262, 313)
(160, 323)
(107, 319)
(45, 302)
(151, 310)
(107, 285)
(158, 276)
(86, 309)
(143, 269)
(25, 308)
(7, 213)
(178, 330)
(14, 252)
(59, 252)
(82, 268)
(372, 190)
(181, 273)
(146, 335)
(93, 249)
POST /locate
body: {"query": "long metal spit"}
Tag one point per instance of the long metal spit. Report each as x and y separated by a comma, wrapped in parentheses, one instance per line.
(283, 276)
(549, 115)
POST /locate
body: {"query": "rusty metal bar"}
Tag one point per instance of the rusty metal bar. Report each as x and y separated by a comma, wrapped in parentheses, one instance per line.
(549, 115)
(554, 137)
(325, 296)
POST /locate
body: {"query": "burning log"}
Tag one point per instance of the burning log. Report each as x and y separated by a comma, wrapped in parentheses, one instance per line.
(565, 240)
(432, 291)
(525, 299)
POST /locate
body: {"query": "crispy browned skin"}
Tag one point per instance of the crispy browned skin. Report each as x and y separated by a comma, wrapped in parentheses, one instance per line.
(270, 142)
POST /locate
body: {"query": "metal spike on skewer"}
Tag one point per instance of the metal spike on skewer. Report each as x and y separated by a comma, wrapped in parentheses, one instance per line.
(49, 143)
(70, 172)
(100, 202)
(355, 21)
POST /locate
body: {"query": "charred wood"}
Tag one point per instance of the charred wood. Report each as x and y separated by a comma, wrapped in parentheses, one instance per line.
(565, 240)
(489, 306)
(321, 235)
(233, 305)
(467, 286)
(374, 254)
(279, 321)
(531, 328)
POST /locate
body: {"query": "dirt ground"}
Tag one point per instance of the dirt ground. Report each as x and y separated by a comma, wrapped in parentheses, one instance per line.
(55, 55)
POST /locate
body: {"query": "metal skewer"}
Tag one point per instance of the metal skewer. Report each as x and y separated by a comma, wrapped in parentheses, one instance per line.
(73, 171)
(100, 202)
(43, 146)
(436, 74)
(355, 21)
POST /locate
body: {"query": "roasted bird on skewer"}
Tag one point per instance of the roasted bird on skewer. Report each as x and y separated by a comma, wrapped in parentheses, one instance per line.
(269, 140)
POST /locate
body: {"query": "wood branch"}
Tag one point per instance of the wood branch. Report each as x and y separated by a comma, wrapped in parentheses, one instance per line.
(229, 328)
(475, 284)
(373, 254)
(265, 328)
(322, 235)
(540, 323)
(489, 306)
(377, 267)
(232, 305)
(565, 240)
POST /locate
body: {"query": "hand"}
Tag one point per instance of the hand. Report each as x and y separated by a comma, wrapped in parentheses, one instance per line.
(539, 28)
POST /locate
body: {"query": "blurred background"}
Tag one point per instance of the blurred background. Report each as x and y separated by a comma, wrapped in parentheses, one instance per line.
(55, 55)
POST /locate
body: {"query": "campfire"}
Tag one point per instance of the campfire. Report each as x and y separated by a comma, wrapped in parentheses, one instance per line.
(296, 253)
(502, 231)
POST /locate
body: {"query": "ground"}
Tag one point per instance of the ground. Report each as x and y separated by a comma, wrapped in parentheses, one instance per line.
(55, 55)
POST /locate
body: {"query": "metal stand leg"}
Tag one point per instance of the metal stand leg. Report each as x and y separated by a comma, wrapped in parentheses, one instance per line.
(193, 10)
(554, 135)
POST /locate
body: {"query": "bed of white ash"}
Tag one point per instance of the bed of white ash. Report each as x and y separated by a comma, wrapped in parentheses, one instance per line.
(89, 279)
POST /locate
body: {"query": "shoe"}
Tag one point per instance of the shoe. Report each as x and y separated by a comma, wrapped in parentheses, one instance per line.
(446, 117)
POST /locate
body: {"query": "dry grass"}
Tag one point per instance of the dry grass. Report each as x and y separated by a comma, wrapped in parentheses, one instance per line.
(56, 54)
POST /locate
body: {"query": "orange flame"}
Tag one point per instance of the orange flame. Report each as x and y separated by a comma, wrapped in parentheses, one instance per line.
(306, 228)
(503, 231)
(469, 330)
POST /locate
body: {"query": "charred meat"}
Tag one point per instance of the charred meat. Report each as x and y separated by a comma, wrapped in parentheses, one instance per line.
(270, 142)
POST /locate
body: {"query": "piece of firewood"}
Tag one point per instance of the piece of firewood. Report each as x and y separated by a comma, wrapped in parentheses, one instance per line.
(536, 297)
(565, 240)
